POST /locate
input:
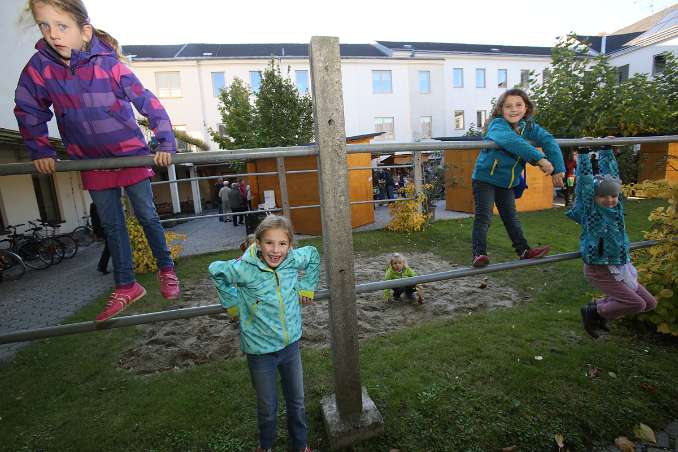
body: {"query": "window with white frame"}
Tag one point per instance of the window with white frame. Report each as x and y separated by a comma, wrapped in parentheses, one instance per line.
(524, 78)
(381, 82)
(622, 73)
(168, 84)
(217, 83)
(480, 78)
(301, 80)
(502, 78)
(658, 64)
(426, 126)
(424, 82)
(481, 118)
(457, 77)
(255, 81)
(459, 119)
(384, 124)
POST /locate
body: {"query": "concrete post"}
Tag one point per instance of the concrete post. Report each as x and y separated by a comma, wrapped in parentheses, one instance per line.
(174, 190)
(195, 191)
(282, 181)
(418, 173)
(349, 414)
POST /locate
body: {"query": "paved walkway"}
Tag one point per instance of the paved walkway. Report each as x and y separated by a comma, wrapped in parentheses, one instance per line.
(46, 298)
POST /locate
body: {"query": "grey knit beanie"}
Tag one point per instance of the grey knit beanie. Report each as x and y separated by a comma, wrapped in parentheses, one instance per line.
(607, 186)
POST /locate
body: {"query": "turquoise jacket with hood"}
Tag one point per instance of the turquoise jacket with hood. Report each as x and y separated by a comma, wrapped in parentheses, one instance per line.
(502, 167)
(267, 299)
(603, 239)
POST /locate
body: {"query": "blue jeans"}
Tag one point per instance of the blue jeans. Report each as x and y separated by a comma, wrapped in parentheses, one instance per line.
(263, 373)
(112, 215)
(486, 196)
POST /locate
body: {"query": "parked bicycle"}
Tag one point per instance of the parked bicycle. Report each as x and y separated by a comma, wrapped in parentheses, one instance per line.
(12, 267)
(84, 235)
(32, 251)
(51, 231)
(54, 248)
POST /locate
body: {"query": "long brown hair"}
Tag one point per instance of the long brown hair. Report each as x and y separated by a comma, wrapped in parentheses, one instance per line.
(76, 9)
(496, 111)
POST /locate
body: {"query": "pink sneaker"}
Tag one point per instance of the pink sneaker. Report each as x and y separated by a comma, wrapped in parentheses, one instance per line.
(120, 299)
(480, 261)
(169, 284)
(535, 253)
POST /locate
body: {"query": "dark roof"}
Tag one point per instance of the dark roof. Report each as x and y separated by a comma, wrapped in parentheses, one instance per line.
(196, 50)
(612, 42)
(466, 48)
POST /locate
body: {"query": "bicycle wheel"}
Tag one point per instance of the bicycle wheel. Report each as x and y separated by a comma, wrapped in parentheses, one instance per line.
(83, 235)
(69, 244)
(11, 266)
(30, 253)
(51, 249)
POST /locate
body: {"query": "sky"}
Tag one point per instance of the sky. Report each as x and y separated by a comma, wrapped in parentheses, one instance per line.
(527, 22)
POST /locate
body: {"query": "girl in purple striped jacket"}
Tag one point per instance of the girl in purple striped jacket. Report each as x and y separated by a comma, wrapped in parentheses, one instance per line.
(77, 71)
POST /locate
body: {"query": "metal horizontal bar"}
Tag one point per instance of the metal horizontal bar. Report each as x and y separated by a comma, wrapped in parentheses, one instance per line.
(217, 215)
(300, 151)
(176, 314)
(372, 201)
(228, 176)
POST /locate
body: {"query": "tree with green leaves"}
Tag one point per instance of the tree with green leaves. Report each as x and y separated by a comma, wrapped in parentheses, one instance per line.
(582, 96)
(278, 115)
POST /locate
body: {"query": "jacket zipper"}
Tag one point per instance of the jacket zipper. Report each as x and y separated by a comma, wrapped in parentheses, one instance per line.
(282, 309)
(494, 165)
(513, 176)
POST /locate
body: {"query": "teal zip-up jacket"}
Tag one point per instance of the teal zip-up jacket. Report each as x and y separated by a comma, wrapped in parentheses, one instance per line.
(603, 239)
(267, 299)
(392, 274)
(502, 167)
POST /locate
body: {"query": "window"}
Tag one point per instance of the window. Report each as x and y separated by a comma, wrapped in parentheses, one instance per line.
(217, 83)
(168, 83)
(658, 64)
(480, 78)
(381, 82)
(45, 193)
(459, 119)
(255, 81)
(425, 125)
(502, 78)
(622, 73)
(384, 125)
(481, 118)
(424, 82)
(457, 77)
(301, 80)
(524, 78)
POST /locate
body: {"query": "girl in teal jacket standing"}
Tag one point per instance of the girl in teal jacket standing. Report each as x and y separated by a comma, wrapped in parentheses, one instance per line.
(498, 172)
(268, 284)
(604, 244)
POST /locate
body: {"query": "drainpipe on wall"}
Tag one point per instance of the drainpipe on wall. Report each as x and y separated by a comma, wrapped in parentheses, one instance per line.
(603, 44)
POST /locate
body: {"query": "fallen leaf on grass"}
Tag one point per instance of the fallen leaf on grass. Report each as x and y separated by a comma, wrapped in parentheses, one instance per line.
(560, 441)
(539, 358)
(612, 374)
(624, 444)
(645, 433)
(592, 371)
(509, 449)
(650, 389)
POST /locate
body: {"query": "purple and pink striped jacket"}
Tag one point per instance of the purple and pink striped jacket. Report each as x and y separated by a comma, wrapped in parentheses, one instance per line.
(91, 98)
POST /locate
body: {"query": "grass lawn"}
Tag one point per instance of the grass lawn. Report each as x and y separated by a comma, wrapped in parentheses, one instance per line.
(471, 383)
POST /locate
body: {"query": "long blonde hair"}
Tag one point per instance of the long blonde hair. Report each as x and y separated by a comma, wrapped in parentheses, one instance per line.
(76, 9)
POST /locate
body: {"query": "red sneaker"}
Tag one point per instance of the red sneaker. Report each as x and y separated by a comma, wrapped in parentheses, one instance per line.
(480, 261)
(120, 299)
(535, 253)
(169, 284)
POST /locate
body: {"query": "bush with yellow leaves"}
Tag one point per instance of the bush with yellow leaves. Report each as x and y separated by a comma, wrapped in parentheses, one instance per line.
(408, 216)
(658, 265)
(142, 255)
